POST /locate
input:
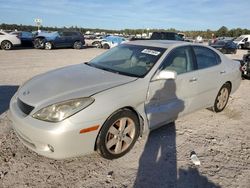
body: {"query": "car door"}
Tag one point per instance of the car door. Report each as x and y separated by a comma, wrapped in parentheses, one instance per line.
(60, 40)
(69, 37)
(210, 75)
(169, 99)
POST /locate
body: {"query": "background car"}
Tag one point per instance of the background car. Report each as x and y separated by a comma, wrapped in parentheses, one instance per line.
(107, 103)
(157, 35)
(225, 46)
(241, 40)
(98, 41)
(112, 41)
(59, 40)
(25, 37)
(8, 41)
(199, 39)
(245, 63)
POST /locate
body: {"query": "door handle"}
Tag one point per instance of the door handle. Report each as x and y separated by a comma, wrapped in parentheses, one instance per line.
(193, 79)
(222, 72)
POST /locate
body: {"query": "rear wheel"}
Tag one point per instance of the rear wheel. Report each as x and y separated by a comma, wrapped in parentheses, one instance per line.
(77, 45)
(222, 98)
(6, 45)
(38, 43)
(118, 135)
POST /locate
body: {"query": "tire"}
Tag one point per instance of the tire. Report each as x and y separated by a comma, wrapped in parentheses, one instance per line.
(97, 44)
(6, 45)
(222, 98)
(118, 134)
(224, 51)
(240, 46)
(77, 45)
(106, 46)
(48, 46)
(38, 43)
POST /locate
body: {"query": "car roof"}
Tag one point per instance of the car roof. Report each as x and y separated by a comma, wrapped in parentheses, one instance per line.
(159, 43)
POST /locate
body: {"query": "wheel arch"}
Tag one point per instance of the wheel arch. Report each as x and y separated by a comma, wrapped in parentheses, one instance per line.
(230, 85)
(7, 41)
(140, 119)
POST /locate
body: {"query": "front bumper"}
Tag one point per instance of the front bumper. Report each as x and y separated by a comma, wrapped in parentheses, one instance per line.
(54, 140)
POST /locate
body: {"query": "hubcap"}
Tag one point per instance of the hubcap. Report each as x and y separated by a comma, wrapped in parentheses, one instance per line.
(77, 45)
(120, 135)
(222, 98)
(7, 45)
(47, 45)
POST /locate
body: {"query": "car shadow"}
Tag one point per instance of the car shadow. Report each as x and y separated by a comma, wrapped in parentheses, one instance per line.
(6, 93)
(158, 161)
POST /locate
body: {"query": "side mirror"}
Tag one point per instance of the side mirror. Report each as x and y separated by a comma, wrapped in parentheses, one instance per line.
(166, 75)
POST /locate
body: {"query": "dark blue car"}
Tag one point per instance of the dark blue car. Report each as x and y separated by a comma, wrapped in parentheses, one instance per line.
(45, 40)
(25, 37)
(225, 46)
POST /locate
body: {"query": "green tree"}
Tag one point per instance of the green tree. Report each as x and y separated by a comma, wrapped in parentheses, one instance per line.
(223, 31)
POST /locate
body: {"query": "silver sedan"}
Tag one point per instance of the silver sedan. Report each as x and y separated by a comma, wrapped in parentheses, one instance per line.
(106, 104)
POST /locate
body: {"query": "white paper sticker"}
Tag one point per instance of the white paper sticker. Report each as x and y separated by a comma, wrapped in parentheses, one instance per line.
(150, 52)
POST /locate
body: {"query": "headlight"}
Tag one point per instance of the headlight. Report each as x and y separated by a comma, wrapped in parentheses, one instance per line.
(60, 111)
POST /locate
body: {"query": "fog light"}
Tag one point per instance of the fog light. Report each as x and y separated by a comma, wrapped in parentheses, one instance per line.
(50, 148)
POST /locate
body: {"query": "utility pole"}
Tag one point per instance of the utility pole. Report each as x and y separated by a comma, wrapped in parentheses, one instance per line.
(38, 22)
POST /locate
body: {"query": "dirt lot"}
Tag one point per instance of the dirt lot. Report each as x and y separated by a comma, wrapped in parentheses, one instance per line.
(162, 159)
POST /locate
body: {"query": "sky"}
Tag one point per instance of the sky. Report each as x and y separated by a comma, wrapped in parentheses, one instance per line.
(130, 14)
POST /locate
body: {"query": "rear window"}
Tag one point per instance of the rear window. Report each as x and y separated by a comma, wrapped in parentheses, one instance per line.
(205, 57)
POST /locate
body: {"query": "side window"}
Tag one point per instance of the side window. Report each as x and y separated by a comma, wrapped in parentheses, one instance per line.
(179, 60)
(205, 57)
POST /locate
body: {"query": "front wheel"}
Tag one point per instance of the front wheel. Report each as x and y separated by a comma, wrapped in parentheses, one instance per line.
(6, 45)
(77, 45)
(48, 46)
(118, 135)
(106, 46)
(222, 98)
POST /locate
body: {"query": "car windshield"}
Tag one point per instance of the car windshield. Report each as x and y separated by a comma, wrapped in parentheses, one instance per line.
(130, 60)
(238, 39)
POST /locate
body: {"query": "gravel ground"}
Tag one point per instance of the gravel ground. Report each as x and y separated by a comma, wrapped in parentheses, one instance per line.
(160, 159)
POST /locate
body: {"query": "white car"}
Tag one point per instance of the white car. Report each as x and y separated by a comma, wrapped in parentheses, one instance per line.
(112, 41)
(241, 40)
(8, 41)
(107, 103)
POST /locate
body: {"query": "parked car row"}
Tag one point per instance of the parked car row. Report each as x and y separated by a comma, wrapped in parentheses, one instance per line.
(42, 40)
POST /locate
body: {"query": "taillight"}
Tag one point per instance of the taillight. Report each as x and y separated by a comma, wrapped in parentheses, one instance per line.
(243, 68)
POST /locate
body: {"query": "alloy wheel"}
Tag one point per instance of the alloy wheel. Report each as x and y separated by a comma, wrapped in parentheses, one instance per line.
(120, 135)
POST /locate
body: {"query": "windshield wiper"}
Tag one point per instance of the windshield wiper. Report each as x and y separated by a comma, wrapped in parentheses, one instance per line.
(111, 70)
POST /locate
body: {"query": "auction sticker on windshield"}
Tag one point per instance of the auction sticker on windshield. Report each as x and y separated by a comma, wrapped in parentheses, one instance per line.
(150, 52)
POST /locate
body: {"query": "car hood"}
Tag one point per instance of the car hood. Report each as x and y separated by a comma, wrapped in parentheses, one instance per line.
(67, 83)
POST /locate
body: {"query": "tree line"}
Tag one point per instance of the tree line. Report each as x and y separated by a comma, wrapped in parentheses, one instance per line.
(223, 31)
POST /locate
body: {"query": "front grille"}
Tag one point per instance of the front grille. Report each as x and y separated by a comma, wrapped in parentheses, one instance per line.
(25, 108)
